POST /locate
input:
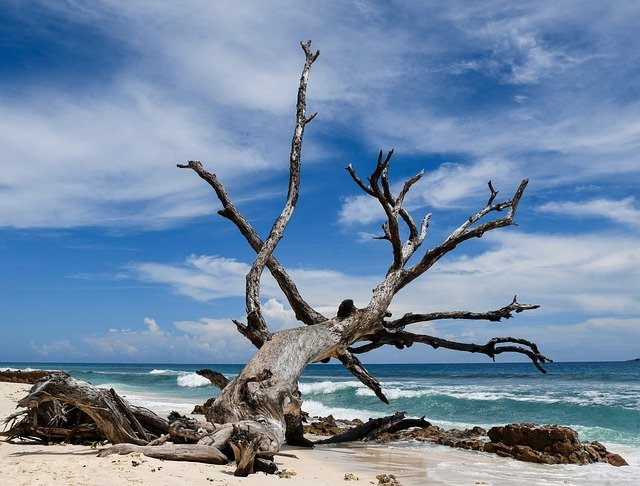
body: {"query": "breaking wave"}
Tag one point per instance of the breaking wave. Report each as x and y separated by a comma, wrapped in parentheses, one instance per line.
(192, 380)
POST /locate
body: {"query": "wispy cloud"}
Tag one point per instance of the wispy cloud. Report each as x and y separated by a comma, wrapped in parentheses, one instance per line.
(622, 211)
(565, 274)
(201, 277)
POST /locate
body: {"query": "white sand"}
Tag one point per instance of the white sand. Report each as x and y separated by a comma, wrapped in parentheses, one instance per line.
(27, 464)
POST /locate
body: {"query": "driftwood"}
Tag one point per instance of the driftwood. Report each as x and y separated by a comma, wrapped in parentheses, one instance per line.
(62, 408)
(217, 379)
(32, 376)
(266, 390)
(373, 428)
(172, 452)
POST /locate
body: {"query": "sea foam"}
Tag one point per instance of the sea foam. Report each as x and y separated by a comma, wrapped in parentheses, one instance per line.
(165, 372)
(318, 409)
(192, 380)
(325, 387)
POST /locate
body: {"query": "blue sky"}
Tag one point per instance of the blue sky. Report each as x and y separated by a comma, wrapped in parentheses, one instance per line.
(110, 253)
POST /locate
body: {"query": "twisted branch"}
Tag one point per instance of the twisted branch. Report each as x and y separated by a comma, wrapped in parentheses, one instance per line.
(379, 188)
(353, 364)
(255, 320)
(256, 329)
(303, 311)
(402, 339)
(466, 231)
(505, 312)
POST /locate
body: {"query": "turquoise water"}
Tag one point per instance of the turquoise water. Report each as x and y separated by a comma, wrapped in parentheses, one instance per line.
(600, 400)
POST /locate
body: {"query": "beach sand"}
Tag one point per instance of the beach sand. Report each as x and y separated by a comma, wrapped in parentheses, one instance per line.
(27, 464)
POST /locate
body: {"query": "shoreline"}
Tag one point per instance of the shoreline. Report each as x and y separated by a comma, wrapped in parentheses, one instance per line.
(412, 464)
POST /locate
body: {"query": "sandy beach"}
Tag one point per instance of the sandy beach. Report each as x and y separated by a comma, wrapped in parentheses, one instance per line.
(27, 464)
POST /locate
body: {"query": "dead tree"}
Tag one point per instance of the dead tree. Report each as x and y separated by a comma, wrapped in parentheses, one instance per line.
(256, 412)
(266, 390)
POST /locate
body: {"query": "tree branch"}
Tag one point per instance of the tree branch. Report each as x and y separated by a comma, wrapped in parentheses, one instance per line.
(505, 312)
(303, 311)
(255, 319)
(465, 232)
(353, 364)
(256, 329)
(402, 339)
(379, 188)
(217, 379)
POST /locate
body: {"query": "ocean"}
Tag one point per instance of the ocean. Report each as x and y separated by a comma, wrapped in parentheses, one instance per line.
(601, 400)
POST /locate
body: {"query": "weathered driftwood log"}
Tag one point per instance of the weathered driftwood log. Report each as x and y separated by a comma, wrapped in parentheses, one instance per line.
(266, 390)
(171, 452)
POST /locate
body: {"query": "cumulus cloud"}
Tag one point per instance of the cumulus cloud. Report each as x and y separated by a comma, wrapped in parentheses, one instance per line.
(152, 324)
(204, 340)
(278, 316)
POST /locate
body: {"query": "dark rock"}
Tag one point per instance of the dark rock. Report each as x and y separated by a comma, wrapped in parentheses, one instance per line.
(497, 448)
(325, 426)
(538, 438)
(549, 444)
(546, 458)
(546, 444)
(615, 460)
(527, 454)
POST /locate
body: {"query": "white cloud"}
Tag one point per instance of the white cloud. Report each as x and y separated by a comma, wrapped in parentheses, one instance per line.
(205, 340)
(360, 210)
(452, 183)
(217, 338)
(152, 325)
(278, 316)
(620, 211)
(584, 273)
(201, 277)
(205, 278)
(57, 348)
(594, 339)
(108, 161)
